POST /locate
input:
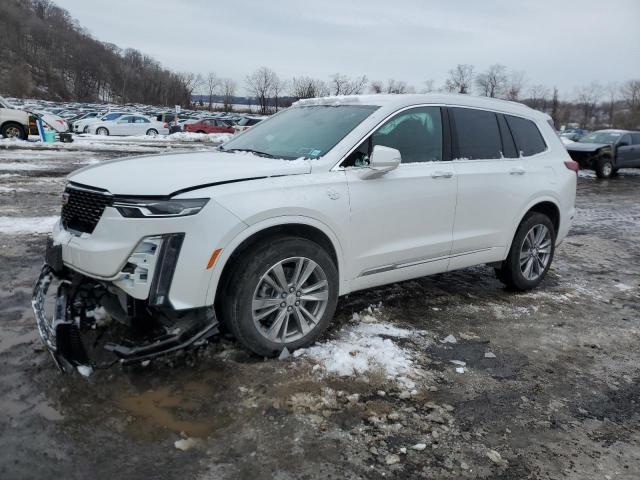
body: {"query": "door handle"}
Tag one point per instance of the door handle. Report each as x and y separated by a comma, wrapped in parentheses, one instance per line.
(442, 175)
(517, 171)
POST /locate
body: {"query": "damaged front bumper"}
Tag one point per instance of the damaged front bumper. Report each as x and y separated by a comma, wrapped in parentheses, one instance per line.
(65, 303)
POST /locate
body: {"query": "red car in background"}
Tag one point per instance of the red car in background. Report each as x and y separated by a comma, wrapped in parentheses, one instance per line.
(208, 125)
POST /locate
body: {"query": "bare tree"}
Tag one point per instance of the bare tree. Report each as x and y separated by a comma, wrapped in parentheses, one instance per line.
(612, 90)
(376, 86)
(538, 95)
(396, 86)
(212, 83)
(630, 92)
(460, 79)
(587, 97)
(228, 91)
(343, 85)
(555, 107)
(515, 84)
(279, 86)
(493, 82)
(191, 82)
(307, 87)
(429, 86)
(260, 84)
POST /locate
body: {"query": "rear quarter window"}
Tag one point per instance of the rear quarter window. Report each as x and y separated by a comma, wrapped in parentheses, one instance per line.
(525, 133)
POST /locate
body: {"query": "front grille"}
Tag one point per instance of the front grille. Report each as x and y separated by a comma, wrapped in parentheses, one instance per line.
(83, 208)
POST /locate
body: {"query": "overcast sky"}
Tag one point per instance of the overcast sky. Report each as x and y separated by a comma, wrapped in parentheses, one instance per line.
(556, 42)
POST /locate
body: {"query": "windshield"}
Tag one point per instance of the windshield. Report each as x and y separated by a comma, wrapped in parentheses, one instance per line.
(308, 131)
(601, 137)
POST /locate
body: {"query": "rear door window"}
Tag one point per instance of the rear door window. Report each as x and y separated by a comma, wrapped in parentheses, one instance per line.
(635, 138)
(528, 138)
(508, 145)
(478, 134)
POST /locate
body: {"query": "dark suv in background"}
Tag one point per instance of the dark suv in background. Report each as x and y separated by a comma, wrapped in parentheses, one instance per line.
(606, 151)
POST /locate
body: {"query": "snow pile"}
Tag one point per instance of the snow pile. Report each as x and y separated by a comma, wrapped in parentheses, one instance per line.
(18, 225)
(199, 137)
(363, 347)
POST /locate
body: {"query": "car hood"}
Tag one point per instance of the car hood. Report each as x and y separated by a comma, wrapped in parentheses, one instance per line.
(585, 147)
(165, 175)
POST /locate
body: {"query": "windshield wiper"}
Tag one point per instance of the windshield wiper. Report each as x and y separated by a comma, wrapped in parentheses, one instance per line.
(257, 152)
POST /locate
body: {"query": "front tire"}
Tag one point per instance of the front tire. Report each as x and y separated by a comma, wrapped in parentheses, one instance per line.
(604, 167)
(530, 255)
(14, 130)
(282, 293)
(102, 131)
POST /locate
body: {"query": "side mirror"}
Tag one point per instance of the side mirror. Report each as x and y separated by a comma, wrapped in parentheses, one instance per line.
(383, 159)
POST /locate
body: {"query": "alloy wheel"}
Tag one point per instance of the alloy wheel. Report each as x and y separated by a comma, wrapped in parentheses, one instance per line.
(535, 252)
(290, 299)
(13, 132)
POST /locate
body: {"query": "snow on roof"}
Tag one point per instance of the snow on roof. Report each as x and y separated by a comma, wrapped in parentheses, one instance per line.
(393, 102)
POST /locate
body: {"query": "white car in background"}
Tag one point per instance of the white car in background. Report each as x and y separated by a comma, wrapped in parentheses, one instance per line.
(129, 125)
(82, 126)
(246, 123)
(330, 196)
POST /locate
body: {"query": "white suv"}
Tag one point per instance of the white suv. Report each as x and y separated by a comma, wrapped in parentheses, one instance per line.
(328, 197)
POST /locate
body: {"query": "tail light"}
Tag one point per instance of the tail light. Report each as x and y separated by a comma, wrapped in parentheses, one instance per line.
(572, 165)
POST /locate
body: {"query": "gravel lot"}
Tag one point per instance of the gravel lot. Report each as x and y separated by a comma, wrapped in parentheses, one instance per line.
(549, 388)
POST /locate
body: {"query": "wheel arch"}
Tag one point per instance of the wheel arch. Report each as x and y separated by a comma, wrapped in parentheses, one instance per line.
(303, 227)
(548, 206)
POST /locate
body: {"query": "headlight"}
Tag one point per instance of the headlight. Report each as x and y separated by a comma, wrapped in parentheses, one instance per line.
(143, 208)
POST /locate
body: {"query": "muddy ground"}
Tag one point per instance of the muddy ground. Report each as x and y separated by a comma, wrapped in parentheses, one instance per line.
(560, 400)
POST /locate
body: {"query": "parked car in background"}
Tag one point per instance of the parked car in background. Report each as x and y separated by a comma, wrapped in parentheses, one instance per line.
(328, 197)
(606, 151)
(14, 123)
(246, 122)
(82, 116)
(82, 126)
(129, 125)
(573, 134)
(208, 125)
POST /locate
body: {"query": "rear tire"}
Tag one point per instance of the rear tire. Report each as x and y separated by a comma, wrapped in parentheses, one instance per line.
(102, 131)
(530, 255)
(14, 130)
(604, 167)
(152, 132)
(267, 303)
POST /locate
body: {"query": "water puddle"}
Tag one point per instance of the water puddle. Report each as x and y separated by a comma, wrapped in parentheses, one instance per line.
(187, 411)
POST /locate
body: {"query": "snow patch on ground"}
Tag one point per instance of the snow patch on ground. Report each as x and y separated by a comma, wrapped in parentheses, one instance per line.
(25, 166)
(18, 225)
(12, 189)
(369, 345)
